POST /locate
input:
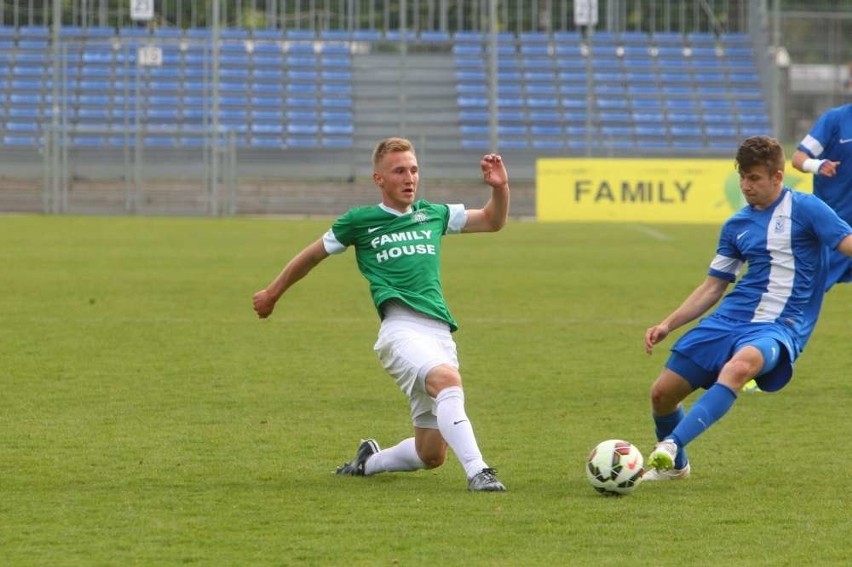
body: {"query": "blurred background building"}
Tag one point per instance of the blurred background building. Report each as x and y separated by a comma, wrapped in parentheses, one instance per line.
(245, 106)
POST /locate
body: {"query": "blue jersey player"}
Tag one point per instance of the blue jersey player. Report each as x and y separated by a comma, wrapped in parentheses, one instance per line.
(761, 326)
(823, 151)
(827, 153)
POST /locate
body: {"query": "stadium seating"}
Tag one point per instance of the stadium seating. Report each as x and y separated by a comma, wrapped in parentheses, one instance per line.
(293, 88)
(635, 91)
(105, 91)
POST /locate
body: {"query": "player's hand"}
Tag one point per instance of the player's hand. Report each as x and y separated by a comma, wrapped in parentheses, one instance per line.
(263, 303)
(493, 170)
(654, 335)
(828, 168)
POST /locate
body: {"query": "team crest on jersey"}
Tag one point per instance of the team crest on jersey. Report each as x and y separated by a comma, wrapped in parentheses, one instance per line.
(779, 224)
(420, 216)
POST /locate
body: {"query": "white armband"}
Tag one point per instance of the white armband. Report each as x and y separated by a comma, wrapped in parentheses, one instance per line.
(813, 165)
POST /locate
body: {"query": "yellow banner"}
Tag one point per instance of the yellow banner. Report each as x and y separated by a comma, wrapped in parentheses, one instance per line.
(643, 190)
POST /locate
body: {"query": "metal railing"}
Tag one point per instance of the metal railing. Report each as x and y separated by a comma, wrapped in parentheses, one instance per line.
(392, 15)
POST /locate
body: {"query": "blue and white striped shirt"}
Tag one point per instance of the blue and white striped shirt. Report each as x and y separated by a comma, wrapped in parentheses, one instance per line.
(786, 248)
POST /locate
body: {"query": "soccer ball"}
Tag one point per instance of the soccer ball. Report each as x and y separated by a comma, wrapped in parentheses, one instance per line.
(615, 467)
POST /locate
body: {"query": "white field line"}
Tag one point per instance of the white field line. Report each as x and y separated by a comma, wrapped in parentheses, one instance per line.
(652, 232)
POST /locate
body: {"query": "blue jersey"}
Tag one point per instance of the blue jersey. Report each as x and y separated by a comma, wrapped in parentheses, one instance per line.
(786, 248)
(831, 138)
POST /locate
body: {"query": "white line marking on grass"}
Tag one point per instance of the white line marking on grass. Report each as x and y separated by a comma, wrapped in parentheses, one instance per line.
(653, 233)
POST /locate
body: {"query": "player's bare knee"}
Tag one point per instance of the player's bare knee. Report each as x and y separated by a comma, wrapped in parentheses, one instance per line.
(738, 372)
(441, 377)
(663, 401)
(433, 458)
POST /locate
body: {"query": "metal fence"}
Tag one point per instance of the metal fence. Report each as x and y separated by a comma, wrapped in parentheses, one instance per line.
(392, 15)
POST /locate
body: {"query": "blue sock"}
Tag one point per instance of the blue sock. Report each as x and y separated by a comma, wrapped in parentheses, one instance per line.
(665, 424)
(705, 412)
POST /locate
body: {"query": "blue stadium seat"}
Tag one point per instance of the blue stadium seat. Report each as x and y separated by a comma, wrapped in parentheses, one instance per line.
(234, 34)
(643, 90)
(23, 113)
(647, 103)
(542, 102)
(682, 104)
(545, 117)
(20, 140)
(474, 130)
(275, 142)
(647, 117)
(570, 103)
(723, 131)
(667, 38)
(542, 89)
(686, 131)
(265, 102)
(158, 140)
(271, 75)
(510, 102)
(554, 129)
(536, 49)
(540, 65)
(612, 103)
(367, 35)
(735, 39)
(622, 132)
(651, 131)
(301, 48)
(603, 37)
(27, 84)
(716, 105)
(684, 118)
(338, 128)
(701, 38)
(434, 36)
(330, 102)
(576, 131)
(133, 32)
(611, 89)
(719, 118)
(476, 89)
(473, 116)
(613, 116)
(630, 52)
(461, 50)
(508, 116)
(631, 38)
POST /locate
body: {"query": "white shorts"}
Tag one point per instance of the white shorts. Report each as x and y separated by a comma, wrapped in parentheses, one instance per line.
(409, 346)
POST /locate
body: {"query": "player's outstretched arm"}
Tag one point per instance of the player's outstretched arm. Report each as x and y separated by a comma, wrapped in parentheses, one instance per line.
(845, 246)
(699, 301)
(493, 216)
(806, 164)
(264, 300)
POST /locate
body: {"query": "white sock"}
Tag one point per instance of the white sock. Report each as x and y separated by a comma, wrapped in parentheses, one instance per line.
(457, 431)
(400, 457)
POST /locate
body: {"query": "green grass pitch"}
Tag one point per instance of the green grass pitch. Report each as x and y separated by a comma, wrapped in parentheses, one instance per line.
(149, 418)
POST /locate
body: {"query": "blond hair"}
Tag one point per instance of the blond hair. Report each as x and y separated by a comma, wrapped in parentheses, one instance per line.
(390, 145)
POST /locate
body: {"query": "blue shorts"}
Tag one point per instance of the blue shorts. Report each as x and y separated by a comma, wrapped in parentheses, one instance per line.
(700, 354)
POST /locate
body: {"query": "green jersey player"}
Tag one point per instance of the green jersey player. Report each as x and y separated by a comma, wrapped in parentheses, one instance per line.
(398, 250)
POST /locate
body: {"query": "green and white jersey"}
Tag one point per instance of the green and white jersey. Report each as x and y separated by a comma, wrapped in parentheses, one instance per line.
(400, 253)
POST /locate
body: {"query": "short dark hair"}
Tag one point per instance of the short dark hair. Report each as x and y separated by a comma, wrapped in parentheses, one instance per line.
(761, 150)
